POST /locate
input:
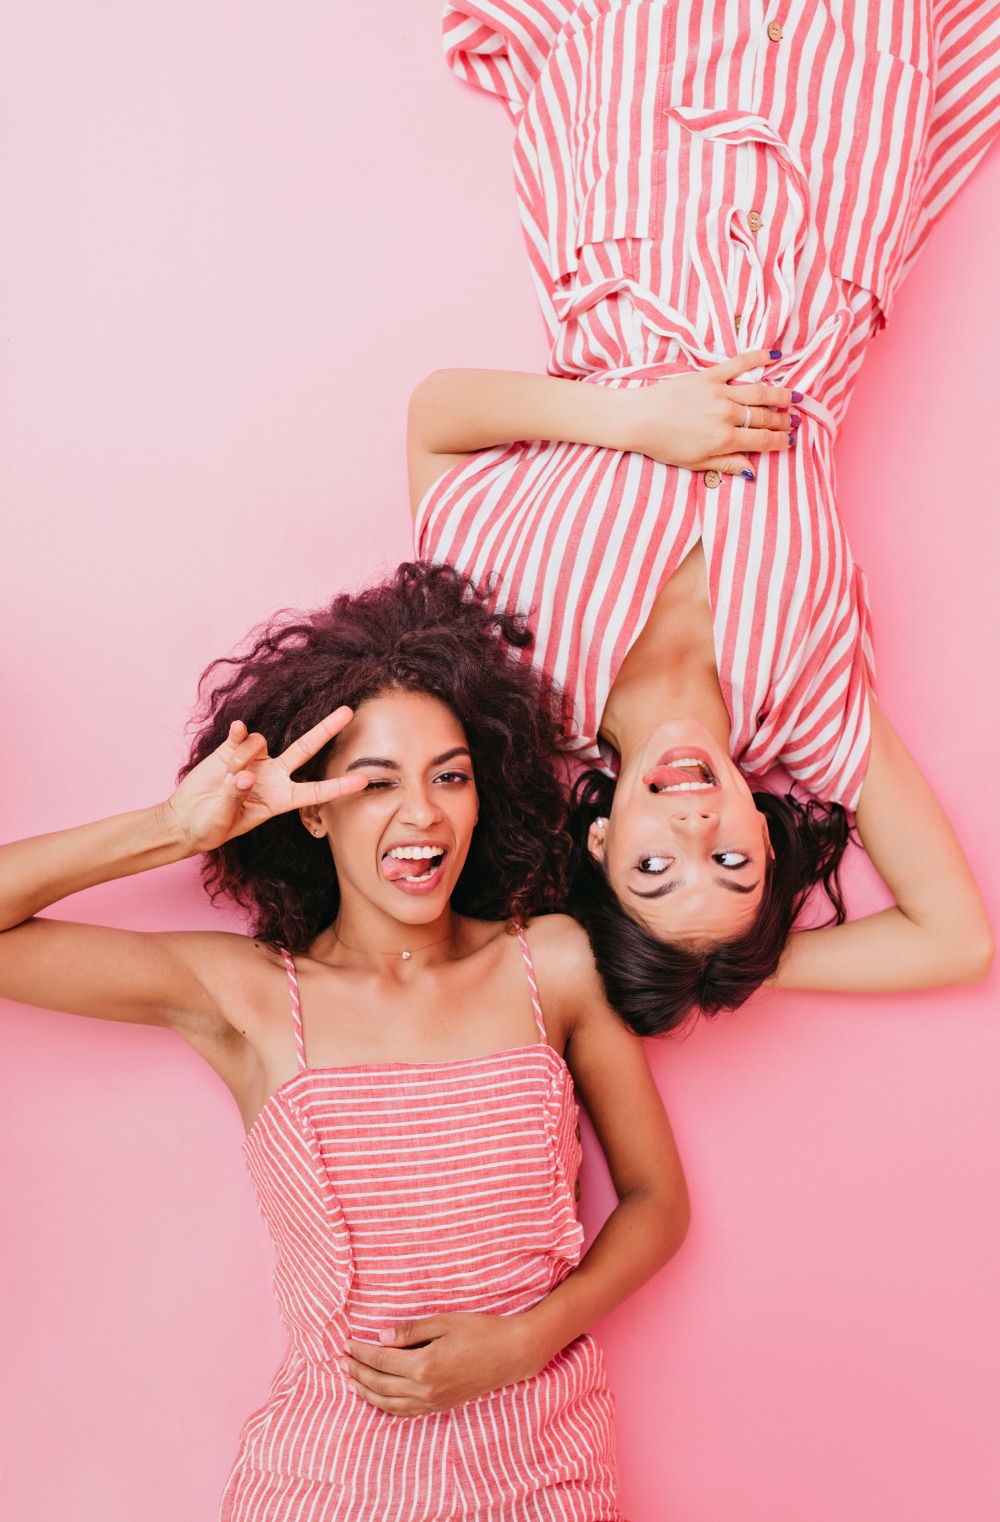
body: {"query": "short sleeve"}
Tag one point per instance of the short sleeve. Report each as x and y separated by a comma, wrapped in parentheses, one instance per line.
(965, 112)
(501, 45)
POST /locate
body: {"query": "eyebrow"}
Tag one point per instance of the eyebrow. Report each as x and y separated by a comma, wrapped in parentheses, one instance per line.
(393, 766)
(678, 882)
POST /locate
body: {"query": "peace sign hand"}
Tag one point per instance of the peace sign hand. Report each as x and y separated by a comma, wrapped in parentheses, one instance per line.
(239, 785)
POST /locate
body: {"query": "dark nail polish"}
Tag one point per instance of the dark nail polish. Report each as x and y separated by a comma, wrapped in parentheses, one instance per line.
(792, 437)
(748, 475)
(798, 396)
(796, 421)
(774, 353)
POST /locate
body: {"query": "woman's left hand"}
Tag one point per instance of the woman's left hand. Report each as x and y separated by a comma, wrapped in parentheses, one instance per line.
(440, 1362)
(710, 419)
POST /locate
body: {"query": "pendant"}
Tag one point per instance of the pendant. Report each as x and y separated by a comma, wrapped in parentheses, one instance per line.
(405, 955)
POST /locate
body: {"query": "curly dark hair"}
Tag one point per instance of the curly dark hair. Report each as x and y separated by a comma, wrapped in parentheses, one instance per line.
(429, 630)
(657, 986)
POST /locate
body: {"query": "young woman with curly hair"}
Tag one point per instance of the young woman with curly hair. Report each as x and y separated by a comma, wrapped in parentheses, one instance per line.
(376, 783)
(720, 201)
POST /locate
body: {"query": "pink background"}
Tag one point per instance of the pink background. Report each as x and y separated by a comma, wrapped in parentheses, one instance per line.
(235, 237)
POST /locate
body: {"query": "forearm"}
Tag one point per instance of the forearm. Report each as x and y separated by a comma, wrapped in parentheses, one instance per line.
(938, 933)
(461, 411)
(885, 953)
(639, 1236)
(40, 871)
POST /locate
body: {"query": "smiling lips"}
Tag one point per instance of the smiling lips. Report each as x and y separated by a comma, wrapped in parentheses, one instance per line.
(684, 769)
(415, 866)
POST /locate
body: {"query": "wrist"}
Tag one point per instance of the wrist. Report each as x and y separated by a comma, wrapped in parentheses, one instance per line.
(538, 1338)
(623, 408)
(168, 834)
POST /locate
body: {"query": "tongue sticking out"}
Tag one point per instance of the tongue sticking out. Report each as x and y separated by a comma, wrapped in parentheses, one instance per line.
(695, 776)
(669, 776)
(395, 867)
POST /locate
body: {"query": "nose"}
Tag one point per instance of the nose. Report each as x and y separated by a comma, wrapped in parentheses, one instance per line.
(419, 808)
(694, 822)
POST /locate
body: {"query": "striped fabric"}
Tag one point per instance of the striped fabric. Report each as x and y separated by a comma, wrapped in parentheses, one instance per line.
(394, 1191)
(699, 178)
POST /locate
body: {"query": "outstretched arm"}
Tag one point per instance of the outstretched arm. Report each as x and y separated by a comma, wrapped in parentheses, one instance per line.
(938, 932)
(115, 974)
(441, 1361)
(692, 420)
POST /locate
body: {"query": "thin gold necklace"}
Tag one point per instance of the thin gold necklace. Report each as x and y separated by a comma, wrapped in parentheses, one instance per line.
(405, 956)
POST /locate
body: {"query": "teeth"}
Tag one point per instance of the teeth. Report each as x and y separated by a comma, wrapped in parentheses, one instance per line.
(688, 761)
(687, 787)
(415, 853)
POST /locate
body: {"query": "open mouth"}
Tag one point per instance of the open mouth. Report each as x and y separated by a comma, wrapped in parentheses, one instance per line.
(413, 867)
(682, 771)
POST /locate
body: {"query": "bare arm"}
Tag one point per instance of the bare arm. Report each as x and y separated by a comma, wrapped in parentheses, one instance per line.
(441, 1361)
(938, 932)
(650, 1220)
(692, 420)
(115, 974)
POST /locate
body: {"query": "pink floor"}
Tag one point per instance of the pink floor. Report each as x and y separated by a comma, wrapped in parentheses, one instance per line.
(235, 236)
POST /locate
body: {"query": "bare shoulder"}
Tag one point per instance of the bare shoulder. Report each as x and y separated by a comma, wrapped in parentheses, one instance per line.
(559, 938)
(240, 976)
(247, 1037)
(569, 985)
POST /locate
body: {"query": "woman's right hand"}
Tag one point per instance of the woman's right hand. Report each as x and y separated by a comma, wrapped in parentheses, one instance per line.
(696, 420)
(239, 785)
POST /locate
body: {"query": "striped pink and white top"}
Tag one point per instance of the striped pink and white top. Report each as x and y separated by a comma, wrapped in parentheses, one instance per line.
(696, 179)
(395, 1191)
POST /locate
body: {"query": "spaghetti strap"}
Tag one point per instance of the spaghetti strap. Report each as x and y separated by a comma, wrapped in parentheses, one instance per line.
(529, 969)
(293, 992)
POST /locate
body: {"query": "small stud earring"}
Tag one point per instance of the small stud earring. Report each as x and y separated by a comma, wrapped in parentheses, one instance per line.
(318, 834)
(602, 822)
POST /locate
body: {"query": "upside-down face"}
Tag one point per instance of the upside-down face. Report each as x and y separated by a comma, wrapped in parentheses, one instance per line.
(685, 847)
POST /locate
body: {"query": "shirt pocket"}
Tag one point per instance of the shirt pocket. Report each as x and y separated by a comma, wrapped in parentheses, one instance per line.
(590, 150)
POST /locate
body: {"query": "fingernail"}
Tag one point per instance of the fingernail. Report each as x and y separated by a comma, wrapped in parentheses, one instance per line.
(792, 440)
(748, 475)
(798, 396)
(796, 421)
(774, 353)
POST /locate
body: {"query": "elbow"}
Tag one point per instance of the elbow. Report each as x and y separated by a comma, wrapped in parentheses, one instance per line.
(976, 959)
(426, 393)
(676, 1220)
(428, 404)
(965, 950)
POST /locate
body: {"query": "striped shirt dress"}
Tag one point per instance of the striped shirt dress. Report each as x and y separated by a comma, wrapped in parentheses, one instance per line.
(698, 178)
(397, 1191)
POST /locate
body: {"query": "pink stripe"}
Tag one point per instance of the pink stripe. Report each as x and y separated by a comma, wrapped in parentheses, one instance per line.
(646, 135)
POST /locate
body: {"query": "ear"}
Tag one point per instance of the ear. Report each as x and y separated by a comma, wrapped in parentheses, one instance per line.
(310, 818)
(595, 839)
(766, 832)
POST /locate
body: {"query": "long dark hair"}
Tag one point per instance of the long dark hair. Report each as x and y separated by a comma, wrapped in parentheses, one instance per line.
(656, 985)
(428, 630)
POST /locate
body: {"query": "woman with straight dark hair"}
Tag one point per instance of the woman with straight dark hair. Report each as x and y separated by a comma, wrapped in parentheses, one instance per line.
(720, 201)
